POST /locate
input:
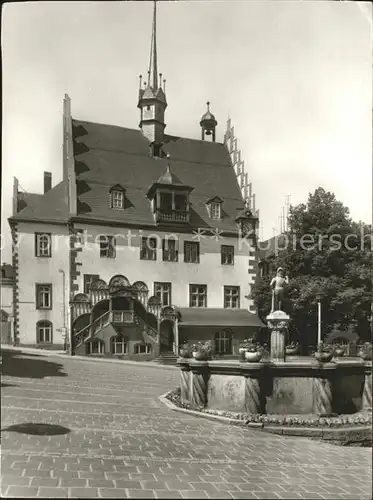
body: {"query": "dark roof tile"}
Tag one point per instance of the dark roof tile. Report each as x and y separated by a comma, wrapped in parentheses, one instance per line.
(51, 206)
(112, 155)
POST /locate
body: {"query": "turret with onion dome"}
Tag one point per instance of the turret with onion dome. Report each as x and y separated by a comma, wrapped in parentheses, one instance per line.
(208, 123)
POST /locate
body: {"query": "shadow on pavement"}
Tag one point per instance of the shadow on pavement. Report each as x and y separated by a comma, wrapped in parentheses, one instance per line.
(9, 385)
(18, 364)
(37, 429)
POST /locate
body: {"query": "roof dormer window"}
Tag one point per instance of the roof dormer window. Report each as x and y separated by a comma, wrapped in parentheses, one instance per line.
(215, 210)
(170, 198)
(117, 197)
(214, 207)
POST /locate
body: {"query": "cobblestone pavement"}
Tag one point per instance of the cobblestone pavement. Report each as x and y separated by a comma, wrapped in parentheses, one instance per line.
(121, 441)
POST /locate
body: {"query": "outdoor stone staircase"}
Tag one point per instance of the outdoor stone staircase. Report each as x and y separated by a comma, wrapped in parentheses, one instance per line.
(86, 333)
(167, 358)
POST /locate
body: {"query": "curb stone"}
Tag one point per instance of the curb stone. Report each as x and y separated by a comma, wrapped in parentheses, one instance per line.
(307, 432)
(65, 355)
(227, 420)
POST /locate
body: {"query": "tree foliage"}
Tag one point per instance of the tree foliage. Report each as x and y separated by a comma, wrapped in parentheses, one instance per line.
(323, 251)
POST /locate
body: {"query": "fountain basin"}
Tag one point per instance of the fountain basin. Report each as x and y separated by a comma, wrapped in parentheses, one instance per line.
(299, 386)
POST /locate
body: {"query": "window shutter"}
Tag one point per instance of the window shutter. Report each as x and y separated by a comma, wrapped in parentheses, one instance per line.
(37, 291)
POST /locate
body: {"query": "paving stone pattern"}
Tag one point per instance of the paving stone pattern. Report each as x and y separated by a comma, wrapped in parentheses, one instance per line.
(124, 443)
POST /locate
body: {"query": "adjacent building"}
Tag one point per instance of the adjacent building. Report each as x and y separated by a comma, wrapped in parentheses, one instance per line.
(148, 242)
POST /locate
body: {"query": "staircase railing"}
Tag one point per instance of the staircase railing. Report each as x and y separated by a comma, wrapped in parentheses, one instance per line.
(83, 334)
(100, 322)
(147, 329)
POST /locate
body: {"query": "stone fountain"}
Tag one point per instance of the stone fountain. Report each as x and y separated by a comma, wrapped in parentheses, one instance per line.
(277, 386)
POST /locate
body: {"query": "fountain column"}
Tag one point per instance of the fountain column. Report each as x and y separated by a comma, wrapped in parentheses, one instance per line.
(278, 322)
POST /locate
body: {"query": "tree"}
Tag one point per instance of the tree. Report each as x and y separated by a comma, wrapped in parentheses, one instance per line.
(324, 251)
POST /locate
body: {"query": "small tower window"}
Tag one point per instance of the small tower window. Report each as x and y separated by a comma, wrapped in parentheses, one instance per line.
(215, 209)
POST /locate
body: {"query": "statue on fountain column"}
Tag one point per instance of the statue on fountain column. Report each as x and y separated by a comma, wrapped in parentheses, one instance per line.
(278, 285)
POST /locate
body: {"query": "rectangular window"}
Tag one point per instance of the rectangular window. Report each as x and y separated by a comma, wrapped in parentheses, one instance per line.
(117, 198)
(148, 250)
(232, 297)
(191, 251)
(180, 202)
(45, 334)
(223, 343)
(163, 292)
(166, 201)
(215, 210)
(88, 280)
(227, 254)
(197, 295)
(107, 246)
(143, 348)
(119, 346)
(170, 250)
(43, 296)
(43, 244)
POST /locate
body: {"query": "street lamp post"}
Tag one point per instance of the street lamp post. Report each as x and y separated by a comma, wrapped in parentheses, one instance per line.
(318, 298)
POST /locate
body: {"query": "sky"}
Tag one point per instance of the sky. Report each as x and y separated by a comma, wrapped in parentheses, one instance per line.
(295, 78)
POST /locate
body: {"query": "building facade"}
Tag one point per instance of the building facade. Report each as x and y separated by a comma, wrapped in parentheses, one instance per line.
(7, 285)
(149, 240)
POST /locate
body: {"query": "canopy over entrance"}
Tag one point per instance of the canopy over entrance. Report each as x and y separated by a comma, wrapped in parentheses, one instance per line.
(217, 317)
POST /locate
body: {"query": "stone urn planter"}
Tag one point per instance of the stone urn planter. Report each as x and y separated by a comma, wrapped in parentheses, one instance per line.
(323, 356)
(200, 356)
(253, 357)
(292, 350)
(365, 351)
(202, 351)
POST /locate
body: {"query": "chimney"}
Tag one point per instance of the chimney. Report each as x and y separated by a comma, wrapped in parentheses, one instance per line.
(47, 181)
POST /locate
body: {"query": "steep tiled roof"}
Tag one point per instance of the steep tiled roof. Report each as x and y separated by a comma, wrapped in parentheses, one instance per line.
(51, 206)
(106, 155)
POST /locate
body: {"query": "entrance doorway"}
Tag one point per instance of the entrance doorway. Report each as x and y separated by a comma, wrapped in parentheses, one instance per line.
(166, 335)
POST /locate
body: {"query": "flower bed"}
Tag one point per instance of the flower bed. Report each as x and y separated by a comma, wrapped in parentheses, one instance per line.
(362, 418)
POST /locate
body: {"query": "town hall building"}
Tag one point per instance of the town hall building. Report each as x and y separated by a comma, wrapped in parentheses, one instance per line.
(147, 243)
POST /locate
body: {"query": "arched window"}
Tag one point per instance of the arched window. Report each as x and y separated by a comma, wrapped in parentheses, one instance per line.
(223, 342)
(143, 348)
(95, 346)
(119, 345)
(141, 290)
(44, 332)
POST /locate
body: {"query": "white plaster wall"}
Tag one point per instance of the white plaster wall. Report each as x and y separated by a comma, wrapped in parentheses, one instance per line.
(34, 270)
(208, 272)
(7, 298)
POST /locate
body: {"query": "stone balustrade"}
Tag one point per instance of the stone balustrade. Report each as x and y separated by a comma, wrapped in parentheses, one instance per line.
(302, 386)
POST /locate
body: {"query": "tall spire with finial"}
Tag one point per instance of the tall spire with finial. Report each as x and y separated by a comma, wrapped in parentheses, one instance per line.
(153, 66)
(152, 99)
